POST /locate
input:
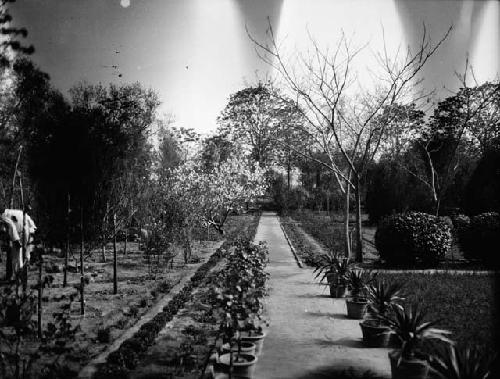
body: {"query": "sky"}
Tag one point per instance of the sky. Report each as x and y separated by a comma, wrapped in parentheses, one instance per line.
(195, 53)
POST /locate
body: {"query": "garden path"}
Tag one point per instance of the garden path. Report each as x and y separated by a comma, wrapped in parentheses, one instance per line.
(309, 334)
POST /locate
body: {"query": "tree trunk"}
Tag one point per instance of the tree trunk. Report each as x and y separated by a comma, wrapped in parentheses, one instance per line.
(115, 278)
(125, 242)
(347, 242)
(66, 251)
(82, 271)
(288, 171)
(103, 245)
(359, 228)
(187, 244)
(40, 293)
(437, 205)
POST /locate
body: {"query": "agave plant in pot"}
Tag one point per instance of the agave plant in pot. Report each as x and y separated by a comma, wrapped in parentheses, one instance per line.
(382, 296)
(411, 361)
(464, 362)
(333, 269)
(356, 302)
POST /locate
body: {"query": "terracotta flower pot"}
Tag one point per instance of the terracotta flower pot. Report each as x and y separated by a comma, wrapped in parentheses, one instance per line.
(256, 338)
(243, 364)
(375, 335)
(356, 308)
(331, 278)
(246, 348)
(407, 368)
(337, 291)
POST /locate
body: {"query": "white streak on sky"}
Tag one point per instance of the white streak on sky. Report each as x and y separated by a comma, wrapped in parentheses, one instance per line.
(485, 54)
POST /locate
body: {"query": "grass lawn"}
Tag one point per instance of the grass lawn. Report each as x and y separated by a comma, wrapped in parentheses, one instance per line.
(465, 304)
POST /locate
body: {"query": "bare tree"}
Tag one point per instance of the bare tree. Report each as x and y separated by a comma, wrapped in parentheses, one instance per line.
(339, 117)
(469, 114)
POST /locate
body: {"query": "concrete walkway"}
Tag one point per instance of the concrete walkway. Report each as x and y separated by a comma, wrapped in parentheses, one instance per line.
(309, 334)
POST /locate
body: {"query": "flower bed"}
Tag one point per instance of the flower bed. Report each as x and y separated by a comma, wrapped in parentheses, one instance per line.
(128, 355)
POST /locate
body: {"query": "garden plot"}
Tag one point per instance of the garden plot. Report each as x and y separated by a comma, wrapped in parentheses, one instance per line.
(464, 303)
(107, 316)
(142, 282)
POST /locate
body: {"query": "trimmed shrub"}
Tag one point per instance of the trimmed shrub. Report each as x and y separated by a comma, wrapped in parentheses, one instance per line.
(481, 237)
(413, 238)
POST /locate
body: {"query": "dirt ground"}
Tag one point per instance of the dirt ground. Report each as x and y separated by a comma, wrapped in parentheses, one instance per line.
(141, 283)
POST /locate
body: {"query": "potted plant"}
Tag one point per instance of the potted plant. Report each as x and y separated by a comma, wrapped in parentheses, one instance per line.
(382, 296)
(455, 362)
(410, 361)
(357, 282)
(236, 362)
(333, 269)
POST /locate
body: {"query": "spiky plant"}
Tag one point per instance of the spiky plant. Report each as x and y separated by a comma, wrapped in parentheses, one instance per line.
(455, 362)
(408, 324)
(358, 280)
(331, 263)
(382, 296)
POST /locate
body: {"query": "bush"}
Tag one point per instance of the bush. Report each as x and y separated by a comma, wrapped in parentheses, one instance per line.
(412, 238)
(481, 237)
(103, 335)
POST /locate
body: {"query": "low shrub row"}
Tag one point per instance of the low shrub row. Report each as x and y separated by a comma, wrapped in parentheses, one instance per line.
(301, 245)
(128, 355)
(414, 238)
(323, 229)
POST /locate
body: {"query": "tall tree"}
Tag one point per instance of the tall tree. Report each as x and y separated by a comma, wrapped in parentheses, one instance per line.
(340, 116)
(255, 117)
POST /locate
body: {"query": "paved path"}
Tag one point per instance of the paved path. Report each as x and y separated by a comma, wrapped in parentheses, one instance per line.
(309, 336)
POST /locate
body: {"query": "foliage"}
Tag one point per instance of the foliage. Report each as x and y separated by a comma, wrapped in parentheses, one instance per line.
(412, 238)
(129, 353)
(463, 125)
(452, 362)
(483, 188)
(10, 45)
(17, 326)
(408, 324)
(257, 118)
(358, 282)
(332, 263)
(392, 189)
(382, 296)
(240, 290)
(208, 198)
(479, 239)
(322, 228)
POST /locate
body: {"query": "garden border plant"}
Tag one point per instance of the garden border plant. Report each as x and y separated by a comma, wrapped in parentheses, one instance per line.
(239, 296)
(128, 355)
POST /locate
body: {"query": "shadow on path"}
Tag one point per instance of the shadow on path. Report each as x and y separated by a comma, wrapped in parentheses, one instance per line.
(329, 372)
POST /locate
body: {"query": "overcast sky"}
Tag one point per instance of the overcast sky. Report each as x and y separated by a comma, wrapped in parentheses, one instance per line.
(195, 53)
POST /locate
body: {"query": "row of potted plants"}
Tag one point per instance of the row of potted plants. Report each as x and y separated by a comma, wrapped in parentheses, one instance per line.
(387, 321)
(239, 293)
(127, 356)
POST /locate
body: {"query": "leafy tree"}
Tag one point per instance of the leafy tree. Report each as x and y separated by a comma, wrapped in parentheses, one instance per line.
(483, 188)
(458, 130)
(215, 150)
(255, 118)
(208, 198)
